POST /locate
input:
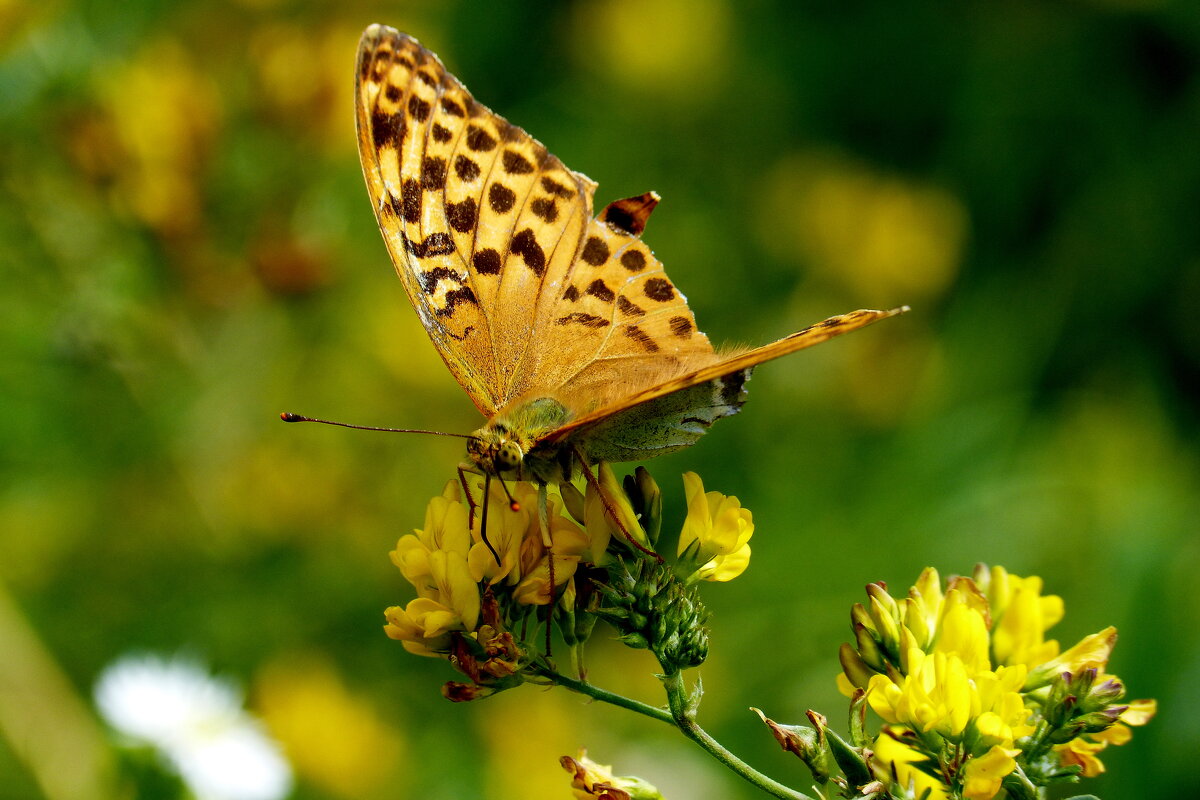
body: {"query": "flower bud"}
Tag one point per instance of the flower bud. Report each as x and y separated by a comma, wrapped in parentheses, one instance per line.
(646, 499)
(651, 608)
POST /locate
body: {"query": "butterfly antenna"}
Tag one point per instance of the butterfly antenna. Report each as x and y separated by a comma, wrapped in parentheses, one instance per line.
(289, 417)
(487, 490)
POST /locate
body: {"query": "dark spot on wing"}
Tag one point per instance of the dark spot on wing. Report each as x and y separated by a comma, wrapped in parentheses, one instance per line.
(462, 216)
(435, 244)
(418, 108)
(639, 336)
(440, 133)
(515, 163)
(630, 215)
(658, 289)
(387, 128)
(427, 78)
(545, 208)
(465, 168)
(525, 245)
(557, 189)
(595, 252)
(633, 260)
(431, 278)
(599, 288)
(479, 140)
(681, 327)
(619, 218)
(628, 307)
(392, 92)
(486, 262)
(451, 107)
(462, 294)
(501, 198)
(410, 193)
(571, 294)
(590, 320)
(433, 172)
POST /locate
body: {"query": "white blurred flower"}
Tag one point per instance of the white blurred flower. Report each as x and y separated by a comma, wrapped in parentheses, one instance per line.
(196, 721)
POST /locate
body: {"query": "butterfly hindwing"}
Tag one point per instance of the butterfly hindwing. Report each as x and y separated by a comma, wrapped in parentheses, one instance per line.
(619, 323)
(687, 405)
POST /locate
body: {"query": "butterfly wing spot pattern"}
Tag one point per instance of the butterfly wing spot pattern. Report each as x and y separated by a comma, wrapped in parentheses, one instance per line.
(561, 325)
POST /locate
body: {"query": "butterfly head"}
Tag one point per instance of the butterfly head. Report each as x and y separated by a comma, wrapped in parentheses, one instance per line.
(495, 450)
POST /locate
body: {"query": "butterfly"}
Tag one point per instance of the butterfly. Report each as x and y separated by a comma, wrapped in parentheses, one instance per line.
(561, 326)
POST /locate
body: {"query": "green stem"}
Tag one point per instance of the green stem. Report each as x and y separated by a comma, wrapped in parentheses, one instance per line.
(680, 716)
(612, 698)
(682, 713)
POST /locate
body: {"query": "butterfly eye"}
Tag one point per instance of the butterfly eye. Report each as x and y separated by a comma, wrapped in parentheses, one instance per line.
(509, 456)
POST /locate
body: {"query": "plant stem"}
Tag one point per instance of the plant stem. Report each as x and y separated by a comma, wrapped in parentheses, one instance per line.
(682, 713)
(612, 698)
(680, 716)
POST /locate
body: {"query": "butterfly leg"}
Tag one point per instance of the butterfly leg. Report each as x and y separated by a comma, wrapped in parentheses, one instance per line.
(463, 469)
(548, 543)
(471, 504)
(608, 506)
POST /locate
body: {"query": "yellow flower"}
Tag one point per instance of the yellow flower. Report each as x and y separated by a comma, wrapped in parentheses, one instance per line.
(715, 542)
(592, 780)
(982, 775)
(507, 531)
(452, 604)
(935, 695)
(599, 522)
(445, 529)
(899, 757)
(1022, 616)
(1082, 752)
(963, 631)
(1092, 652)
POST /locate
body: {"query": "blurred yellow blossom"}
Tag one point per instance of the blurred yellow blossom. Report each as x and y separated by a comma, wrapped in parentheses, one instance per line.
(166, 112)
(332, 736)
(676, 48)
(882, 237)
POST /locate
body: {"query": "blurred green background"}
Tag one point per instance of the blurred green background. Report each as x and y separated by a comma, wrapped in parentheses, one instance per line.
(188, 249)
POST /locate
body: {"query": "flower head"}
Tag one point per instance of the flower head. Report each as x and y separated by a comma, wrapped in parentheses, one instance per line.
(972, 689)
(489, 573)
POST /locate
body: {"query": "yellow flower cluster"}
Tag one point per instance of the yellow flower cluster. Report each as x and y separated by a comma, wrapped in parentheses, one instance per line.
(450, 565)
(971, 689)
(473, 591)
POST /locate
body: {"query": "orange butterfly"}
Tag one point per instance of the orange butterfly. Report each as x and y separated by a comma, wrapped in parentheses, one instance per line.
(561, 326)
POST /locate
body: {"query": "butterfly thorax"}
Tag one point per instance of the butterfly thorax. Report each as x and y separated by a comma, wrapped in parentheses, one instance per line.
(513, 442)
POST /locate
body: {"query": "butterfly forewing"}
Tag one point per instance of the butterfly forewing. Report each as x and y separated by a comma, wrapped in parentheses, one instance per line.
(480, 220)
